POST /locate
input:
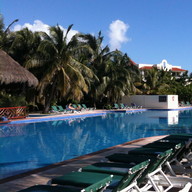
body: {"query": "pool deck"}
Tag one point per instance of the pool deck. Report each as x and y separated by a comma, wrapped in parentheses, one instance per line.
(61, 116)
(43, 175)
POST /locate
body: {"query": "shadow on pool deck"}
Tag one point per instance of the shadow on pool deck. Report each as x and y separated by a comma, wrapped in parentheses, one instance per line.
(43, 175)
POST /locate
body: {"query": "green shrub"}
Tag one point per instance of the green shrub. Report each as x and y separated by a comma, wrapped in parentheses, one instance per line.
(8, 100)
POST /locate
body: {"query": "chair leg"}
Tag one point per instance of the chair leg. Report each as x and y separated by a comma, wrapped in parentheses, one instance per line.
(154, 179)
(132, 188)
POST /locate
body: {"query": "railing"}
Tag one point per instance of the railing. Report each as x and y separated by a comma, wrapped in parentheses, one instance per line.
(13, 112)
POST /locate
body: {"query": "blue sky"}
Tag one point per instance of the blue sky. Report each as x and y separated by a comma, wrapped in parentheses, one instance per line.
(147, 30)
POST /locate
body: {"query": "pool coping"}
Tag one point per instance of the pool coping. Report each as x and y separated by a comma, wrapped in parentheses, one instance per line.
(53, 117)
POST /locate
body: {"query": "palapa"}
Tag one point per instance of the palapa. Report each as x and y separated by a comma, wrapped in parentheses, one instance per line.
(12, 72)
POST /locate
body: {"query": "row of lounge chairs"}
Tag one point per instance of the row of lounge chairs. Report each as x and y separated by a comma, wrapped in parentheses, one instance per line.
(183, 104)
(123, 106)
(75, 107)
(155, 166)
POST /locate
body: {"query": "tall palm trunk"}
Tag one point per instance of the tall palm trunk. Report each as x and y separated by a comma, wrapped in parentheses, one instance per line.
(50, 97)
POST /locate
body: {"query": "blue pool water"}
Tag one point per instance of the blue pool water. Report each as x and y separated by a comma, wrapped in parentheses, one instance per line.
(24, 147)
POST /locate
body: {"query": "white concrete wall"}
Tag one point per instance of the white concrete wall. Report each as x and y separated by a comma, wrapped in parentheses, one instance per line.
(152, 101)
(173, 101)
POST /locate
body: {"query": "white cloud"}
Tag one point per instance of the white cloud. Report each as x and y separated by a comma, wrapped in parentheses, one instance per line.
(40, 26)
(117, 34)
(36, 26)
(71, 32)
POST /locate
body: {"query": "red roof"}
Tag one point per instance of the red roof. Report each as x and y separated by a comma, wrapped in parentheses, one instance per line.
(132, 62)
(146, 67)
(174, 69)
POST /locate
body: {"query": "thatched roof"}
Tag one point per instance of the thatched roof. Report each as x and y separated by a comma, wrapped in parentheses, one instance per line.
(13, 72)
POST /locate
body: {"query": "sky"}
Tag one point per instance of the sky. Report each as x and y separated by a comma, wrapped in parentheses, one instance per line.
(147, 30)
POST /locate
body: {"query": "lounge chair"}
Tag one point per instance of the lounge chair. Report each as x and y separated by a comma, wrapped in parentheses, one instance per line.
(76, 107)
(87, 108)
(122, 106)
(122, 181)
(134, 106)
(157, 164)
(188, 103)
(55, 109)
(116, 106)
(76, 181)
(80, 107)
(182, 161)
(147, 178)
(158, 159)
(182, 104)
(61, 109)
(48, 188)
(178, 163)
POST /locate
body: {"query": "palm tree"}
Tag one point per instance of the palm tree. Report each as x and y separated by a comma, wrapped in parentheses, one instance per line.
(24, 46)
(97, 59)
(121, 74)
(157, 82)
(1, 25)
(5, 35)
(64, 75)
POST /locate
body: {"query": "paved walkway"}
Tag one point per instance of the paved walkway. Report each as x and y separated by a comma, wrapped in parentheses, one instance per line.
(43, 176)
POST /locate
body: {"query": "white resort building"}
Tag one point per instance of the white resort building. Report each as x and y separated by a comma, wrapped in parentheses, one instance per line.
(163, 65)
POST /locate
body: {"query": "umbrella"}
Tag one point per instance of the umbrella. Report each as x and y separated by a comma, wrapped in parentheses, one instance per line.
(13, 72)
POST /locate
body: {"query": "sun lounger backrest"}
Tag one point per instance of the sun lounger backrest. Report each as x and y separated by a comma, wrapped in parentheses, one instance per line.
(54, 108)
(133, 174)
(100, 185)
(75, 106)
(84, 106)
(156, 162)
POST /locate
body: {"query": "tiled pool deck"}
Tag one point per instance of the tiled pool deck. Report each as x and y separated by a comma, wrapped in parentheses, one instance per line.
(43, 175)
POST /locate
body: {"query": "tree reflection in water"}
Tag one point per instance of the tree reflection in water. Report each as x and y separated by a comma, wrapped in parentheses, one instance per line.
(27, 146)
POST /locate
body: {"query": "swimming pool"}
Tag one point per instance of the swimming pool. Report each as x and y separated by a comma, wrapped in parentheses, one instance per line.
(24, 147)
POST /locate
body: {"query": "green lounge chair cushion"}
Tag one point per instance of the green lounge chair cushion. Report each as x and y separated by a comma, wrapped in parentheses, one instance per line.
(116, 106)
(124, 174)
(116, 168)
(128, 158)
(60, 108)
(54, 108)
(164, 145)
(82, 179)
(109, 168)
(179, 136)
(156, 152)
(48, 188)
(84, 106)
